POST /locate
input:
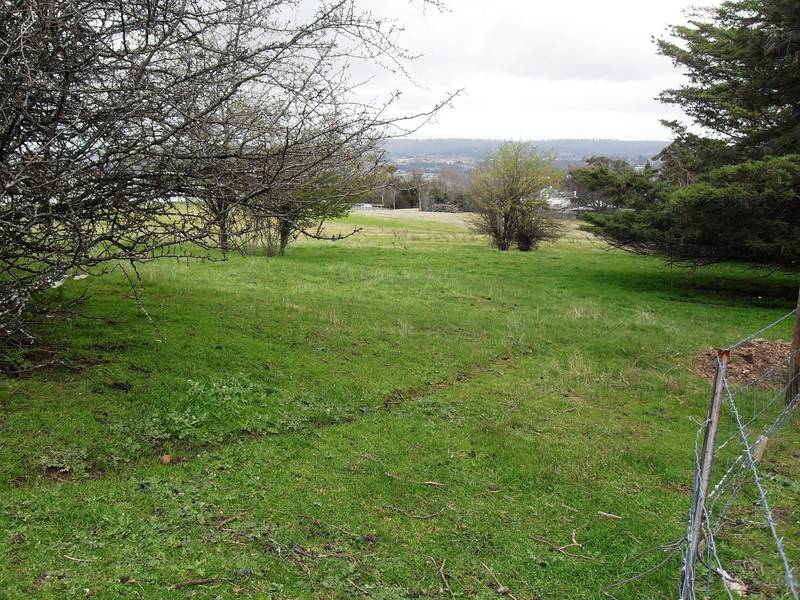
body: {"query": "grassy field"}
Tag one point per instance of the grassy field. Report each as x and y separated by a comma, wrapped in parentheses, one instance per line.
(403, 414)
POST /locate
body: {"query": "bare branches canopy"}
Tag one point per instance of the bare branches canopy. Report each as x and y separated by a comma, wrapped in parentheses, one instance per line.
(129, 129)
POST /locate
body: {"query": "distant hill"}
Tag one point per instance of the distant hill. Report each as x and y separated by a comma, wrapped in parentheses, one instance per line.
(565, 150)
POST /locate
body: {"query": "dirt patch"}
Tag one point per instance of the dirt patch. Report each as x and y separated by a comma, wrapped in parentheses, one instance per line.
(23, 362)
(749, 362)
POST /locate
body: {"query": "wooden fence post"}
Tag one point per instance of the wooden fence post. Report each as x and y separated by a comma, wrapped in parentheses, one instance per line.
(793, 381)
(704, 476)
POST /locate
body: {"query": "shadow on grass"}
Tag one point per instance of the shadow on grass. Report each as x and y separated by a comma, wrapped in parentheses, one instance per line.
(721, 285)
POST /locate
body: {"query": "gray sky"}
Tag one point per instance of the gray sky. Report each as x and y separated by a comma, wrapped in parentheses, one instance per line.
(532, 70)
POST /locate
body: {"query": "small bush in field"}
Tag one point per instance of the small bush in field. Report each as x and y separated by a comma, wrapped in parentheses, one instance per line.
(506, 194)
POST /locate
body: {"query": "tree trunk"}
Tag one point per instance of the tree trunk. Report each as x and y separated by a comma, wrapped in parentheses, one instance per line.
(222, 225)
(269, 247)
(285, 229)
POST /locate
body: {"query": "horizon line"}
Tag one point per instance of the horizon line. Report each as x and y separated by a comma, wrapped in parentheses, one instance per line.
(550, 139)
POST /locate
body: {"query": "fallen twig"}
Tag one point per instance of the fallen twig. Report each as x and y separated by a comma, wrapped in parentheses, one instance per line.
(501, 589)
(292, 557)
(444, 577)
(227, 520)
(329, 525)
(79, 560)
(609, 515)
(193, 582)
(562, 549)
(574, 543)
(435, 484)
(359, 588)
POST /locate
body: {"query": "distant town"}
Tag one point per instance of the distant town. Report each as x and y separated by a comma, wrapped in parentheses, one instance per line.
(450, 158)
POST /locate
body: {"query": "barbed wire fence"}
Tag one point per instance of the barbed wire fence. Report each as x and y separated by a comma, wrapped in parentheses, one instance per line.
(730, 445)
(741, 419)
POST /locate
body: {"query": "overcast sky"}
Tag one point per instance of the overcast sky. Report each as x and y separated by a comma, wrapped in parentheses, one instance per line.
(533, 69)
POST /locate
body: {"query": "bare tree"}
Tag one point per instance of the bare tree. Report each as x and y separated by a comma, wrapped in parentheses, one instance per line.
(105, 107)
(281, 217)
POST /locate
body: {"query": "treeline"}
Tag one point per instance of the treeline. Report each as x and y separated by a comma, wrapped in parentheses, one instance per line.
(139, 129)
(443, 192)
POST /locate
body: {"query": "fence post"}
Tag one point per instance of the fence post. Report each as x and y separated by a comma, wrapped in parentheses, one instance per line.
(704, 475)
(793, 382)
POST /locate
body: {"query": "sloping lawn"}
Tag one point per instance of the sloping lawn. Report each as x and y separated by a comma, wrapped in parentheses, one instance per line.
(404, 414)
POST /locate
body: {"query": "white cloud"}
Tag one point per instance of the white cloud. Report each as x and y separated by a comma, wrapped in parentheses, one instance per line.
(576, 68)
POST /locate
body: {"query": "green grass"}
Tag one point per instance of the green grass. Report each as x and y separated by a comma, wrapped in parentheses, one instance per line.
(348, 419)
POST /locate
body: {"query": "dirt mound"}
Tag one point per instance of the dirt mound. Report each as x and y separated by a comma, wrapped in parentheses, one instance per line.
(750, 361)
